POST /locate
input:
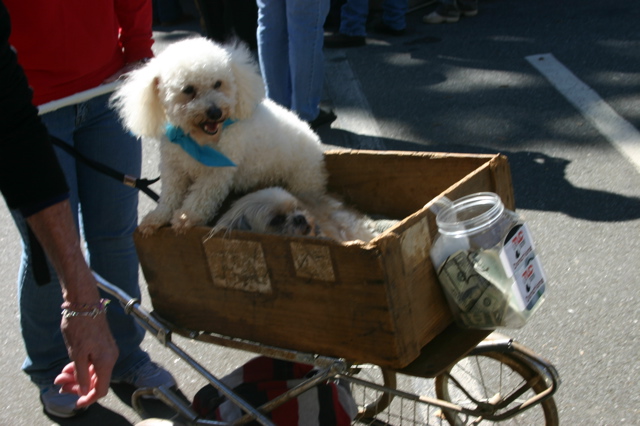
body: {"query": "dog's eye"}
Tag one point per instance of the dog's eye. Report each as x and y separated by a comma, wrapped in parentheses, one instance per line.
(278, 220)
(217, 84)
(189, 90)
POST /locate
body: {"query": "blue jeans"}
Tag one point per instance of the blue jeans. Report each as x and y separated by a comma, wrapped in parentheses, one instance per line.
(353, 16)
(107, 211)
(290, 38)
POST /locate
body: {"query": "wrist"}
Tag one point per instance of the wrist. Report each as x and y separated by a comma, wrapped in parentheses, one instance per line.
(92, 310)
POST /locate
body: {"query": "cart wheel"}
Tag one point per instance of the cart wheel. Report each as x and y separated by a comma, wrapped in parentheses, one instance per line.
(493, 383)
(371, 401)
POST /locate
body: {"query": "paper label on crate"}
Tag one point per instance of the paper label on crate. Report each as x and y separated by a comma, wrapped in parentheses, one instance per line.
(237, 265)
(312, 261)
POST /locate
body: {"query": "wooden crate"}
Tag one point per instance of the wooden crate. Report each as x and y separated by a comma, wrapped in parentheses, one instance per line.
(378, 302)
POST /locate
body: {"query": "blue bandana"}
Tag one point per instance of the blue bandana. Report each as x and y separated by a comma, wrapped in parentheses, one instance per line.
(204, 154)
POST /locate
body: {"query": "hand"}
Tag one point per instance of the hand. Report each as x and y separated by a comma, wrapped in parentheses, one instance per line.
(122, 72)
(93, 352)
(91, 347)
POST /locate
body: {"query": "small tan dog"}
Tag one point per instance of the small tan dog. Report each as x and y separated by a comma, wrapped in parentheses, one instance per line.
(276, 211)
(205, 104)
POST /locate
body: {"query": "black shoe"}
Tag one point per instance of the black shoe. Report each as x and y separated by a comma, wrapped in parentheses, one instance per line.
(382, 28)
(324, 117)
(339, 40)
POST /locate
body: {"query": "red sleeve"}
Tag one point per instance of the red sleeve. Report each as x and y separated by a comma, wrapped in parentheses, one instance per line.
(135, 18)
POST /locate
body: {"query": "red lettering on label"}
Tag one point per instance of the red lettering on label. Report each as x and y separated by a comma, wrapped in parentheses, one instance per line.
(519, 238)
(528, 272)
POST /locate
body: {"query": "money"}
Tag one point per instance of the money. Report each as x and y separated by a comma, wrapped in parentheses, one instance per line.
(460, 281)
(488, 312)
(466, 278)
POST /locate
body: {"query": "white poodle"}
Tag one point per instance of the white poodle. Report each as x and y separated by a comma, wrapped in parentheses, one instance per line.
(206, 104)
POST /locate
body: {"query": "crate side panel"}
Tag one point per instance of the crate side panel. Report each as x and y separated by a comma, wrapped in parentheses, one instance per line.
(347, 317)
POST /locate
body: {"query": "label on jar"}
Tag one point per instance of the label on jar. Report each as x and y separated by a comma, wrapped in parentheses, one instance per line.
(518, 245)
(519, 260)
(531, 282)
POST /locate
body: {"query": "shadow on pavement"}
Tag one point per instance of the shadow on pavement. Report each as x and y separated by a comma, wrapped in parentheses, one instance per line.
(539, 180)
(98, 415)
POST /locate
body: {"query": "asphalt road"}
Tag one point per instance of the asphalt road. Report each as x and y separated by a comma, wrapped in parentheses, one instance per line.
(569, 128)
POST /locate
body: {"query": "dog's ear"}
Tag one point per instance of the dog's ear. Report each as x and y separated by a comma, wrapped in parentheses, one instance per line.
(138, 102)
(248, 80)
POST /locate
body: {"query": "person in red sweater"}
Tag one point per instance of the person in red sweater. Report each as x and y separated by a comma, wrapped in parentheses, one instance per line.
(33, 183)
(66, 47)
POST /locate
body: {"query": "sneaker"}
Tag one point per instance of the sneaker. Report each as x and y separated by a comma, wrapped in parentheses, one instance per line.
(58, 404)
(441, 15)
(147, 375)
(339, 40)
(324, 117)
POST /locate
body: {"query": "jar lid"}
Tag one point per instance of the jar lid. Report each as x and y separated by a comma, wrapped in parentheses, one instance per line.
(470, 214)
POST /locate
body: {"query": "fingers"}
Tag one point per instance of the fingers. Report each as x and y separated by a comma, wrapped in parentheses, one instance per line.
(88, 399)
(101, 379)
(82, 375)
(67, 379)
(96, 387)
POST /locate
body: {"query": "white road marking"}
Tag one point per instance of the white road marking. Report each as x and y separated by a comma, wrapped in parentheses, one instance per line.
(622, 134)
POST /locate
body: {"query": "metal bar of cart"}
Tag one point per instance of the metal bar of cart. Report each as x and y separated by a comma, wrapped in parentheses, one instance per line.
(132, 307)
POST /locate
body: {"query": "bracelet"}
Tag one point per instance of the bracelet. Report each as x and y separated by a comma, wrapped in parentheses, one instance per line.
(86, 310)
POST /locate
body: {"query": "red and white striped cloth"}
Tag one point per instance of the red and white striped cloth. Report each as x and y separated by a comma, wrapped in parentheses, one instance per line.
(262, 379)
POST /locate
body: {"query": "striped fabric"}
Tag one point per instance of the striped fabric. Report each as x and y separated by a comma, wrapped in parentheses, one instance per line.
(262, 379)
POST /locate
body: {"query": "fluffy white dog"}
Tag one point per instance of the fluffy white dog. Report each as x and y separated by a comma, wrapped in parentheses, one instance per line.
(276, 211)
(205, 104)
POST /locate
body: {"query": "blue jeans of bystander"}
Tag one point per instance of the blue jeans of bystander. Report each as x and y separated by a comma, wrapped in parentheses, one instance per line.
(290, 38)
(353, 16)
(107, 211)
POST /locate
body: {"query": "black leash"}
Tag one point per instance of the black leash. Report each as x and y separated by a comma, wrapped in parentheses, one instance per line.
(141, 184)
(38, 256)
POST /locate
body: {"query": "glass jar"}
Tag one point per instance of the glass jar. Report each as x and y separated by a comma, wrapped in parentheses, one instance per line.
(486, 263)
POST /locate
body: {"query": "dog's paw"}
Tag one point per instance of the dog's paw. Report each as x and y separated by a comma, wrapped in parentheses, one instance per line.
(184, 220)
(152, 222)
(147, 230)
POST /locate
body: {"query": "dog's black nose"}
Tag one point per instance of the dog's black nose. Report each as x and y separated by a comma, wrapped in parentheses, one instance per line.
(301, 224)
(214, 113)
(299, 220)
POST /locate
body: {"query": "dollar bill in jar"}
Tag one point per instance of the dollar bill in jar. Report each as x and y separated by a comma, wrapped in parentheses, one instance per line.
(461, 281)
(479, 301)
